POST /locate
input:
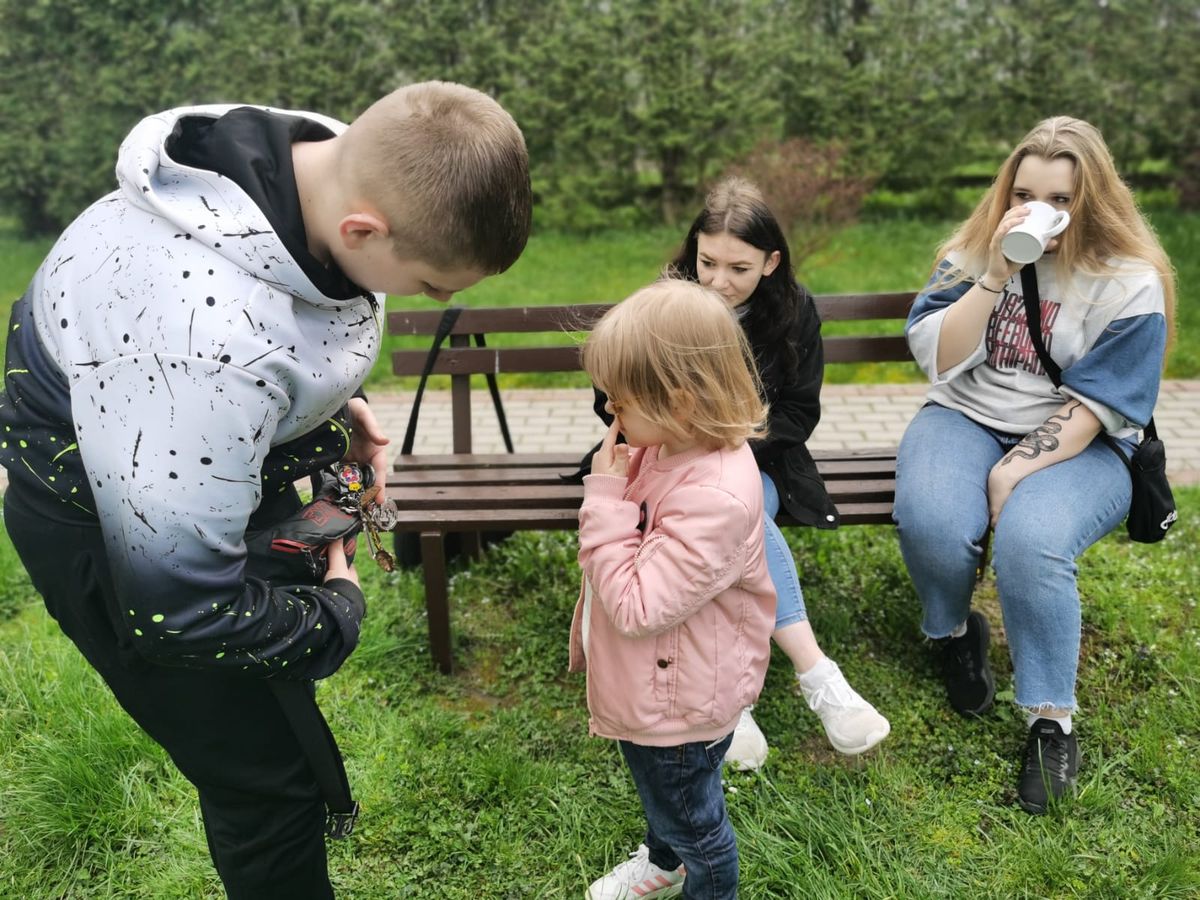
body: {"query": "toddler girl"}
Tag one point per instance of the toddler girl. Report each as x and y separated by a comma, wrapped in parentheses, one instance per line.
(674, 621)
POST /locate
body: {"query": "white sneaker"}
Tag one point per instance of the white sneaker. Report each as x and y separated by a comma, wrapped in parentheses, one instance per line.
(748, 749)
(852, 724)
(637, 879)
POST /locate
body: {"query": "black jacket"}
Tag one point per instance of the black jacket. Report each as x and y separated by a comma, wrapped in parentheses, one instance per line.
(795, 408)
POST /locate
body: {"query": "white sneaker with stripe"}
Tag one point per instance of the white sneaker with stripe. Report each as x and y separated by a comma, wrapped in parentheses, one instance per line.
(637, 879)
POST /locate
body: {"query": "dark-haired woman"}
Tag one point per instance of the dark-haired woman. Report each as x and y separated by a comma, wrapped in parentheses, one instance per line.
(736, 248)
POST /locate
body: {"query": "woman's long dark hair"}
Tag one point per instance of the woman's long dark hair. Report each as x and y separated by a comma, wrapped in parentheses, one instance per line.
(736, 207)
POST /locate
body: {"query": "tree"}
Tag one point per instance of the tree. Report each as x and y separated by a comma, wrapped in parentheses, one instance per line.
(700, 73)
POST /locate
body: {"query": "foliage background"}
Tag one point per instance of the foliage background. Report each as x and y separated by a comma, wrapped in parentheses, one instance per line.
(629, 107)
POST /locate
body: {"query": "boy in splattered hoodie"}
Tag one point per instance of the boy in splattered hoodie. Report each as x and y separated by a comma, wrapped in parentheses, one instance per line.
(193, 344)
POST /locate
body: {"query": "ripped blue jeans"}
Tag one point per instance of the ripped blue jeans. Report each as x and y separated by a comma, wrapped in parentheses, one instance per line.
(1050, 518)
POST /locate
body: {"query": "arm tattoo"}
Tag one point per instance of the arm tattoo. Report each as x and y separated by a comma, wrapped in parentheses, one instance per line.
(1043, 439)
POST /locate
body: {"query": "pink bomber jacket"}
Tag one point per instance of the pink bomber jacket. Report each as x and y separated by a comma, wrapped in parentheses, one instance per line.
(674, 620)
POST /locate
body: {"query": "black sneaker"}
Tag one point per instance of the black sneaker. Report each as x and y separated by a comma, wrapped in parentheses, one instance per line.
(969, 683)
(1051, 764)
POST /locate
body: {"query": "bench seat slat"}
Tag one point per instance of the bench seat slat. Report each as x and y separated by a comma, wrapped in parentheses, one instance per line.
(524, 476)
(498, 496)
(485, 519)
(537, 496)
(447, 520)
(486, 460)
(866, 348)
(827, 460)
(532, 477)
(515, 469)
(503, 320)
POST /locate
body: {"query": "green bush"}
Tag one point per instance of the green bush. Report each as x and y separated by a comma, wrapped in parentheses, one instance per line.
(630, 109)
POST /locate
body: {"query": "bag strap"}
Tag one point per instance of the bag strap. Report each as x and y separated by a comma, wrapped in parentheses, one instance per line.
(445, 325)
(449, 317)
(497, 404)
(299, 706)
(1033, 319)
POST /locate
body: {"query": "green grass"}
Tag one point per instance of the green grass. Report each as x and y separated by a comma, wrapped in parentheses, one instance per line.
(19, 259)
(485, 784)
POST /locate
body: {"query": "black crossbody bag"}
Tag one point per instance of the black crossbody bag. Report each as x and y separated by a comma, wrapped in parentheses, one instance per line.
(1152, 509)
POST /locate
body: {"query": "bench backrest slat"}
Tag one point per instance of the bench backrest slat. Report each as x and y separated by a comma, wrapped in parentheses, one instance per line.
(864, 348)
(481, 360)
(581, 317)
(855, 307)
(500, 320)
(568, 321)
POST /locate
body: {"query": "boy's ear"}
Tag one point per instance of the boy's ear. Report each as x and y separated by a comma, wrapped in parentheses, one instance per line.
(357, 228)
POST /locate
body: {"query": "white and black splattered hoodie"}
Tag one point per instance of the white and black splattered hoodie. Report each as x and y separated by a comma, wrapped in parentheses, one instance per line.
(169, 358)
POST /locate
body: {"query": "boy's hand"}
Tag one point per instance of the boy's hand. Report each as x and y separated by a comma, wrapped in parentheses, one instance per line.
(612, 458)
(368, 443)
(336, 563)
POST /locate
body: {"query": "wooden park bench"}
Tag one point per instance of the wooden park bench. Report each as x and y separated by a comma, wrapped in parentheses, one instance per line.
(470, 493)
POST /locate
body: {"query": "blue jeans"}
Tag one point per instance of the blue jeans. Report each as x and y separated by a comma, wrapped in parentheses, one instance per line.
(789, 608)
(1050, 518)
(686, 817)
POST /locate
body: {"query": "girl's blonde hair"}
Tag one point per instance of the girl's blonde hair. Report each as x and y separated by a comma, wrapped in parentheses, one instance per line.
(676, 345)
(1106, 224)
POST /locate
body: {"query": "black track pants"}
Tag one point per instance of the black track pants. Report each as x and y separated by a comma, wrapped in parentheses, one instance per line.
(263, 812)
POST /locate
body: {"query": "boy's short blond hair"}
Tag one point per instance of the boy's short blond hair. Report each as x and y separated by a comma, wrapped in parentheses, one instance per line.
(677, 341)
(447, 168)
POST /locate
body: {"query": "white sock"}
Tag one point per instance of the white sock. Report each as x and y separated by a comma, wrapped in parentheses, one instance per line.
(959, 631)
(1064, 722)
(825, 668)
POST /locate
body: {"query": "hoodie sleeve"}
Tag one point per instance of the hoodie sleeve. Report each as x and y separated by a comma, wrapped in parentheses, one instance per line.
(650, 583)
(173, 447)
(1118, 377)
(924, 327)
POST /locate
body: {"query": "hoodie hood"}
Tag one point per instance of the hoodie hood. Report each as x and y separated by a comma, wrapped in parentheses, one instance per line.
(211, 208)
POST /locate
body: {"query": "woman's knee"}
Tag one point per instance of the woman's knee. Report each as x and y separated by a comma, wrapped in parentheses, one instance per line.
(1053, 537)
(935, 528)
(770, 496)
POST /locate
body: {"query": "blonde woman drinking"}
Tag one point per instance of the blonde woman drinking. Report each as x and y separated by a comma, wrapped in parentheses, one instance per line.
(999, 445)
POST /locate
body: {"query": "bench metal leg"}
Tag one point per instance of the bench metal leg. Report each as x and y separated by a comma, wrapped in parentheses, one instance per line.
(472, 545)
(437, 601)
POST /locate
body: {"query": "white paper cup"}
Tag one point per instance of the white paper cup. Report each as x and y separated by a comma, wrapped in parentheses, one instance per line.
(1027, 242)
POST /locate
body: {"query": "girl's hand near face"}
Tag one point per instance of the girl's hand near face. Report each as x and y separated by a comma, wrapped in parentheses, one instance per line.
(612, 458)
